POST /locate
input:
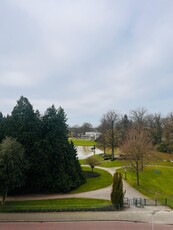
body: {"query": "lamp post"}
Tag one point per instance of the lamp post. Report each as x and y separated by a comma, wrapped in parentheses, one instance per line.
(125, 173)
(93, 149)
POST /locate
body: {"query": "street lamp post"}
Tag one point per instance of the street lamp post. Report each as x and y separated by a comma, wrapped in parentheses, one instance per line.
(93, 149)
(125, 171)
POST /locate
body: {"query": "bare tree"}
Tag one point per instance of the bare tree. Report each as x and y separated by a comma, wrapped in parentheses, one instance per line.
(138, 118)
(168, 127)
(109, 121)
(137, 148)
(155, 127)
(102, 139)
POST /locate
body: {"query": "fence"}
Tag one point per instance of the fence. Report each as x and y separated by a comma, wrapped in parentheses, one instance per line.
(141, 202)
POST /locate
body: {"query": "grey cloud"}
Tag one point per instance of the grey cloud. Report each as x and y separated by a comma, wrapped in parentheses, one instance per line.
(86, 56)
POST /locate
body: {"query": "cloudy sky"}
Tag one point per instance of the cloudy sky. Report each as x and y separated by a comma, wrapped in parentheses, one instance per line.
(87, 56)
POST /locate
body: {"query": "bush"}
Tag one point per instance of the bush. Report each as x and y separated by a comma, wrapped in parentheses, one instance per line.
(165, 147)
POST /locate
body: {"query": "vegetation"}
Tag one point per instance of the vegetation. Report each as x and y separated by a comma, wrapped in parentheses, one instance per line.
(104, 180)
(82, 142)
(156, 182)
(109, 132)
(92, 161)
(48, 159)
(53, 163)
(117, 194)
(12, 166)
(137, 150)
(78, 131)
(54, 205)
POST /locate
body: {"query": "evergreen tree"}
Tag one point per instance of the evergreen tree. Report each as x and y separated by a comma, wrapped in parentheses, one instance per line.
(53, 163)
(64, 169)
(12, 166)
(117, 194)
(25, 125)
(1, 127)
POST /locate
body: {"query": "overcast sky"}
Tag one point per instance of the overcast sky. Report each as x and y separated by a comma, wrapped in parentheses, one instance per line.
(87, 56)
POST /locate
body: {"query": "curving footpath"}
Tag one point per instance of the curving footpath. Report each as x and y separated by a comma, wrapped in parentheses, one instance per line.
(103, 193)
(154, 214)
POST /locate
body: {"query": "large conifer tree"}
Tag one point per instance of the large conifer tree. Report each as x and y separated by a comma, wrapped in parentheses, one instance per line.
(64, 169)
(53, 163)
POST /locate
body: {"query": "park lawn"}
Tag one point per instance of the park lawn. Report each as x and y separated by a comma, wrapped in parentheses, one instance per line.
(155, 182)
(115, 163)
(100, 159)
(104, 180)
(53, 205)
(81, 142)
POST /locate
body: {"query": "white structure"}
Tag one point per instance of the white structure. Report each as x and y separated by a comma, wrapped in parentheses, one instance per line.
(92, 135)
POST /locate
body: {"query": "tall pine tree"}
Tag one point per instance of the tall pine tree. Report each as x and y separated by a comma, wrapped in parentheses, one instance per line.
(53, 163)
(64, 170)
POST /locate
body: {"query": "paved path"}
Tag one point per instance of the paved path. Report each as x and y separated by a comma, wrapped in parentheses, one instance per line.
(145, 215)
(158, 214)
(98, 194)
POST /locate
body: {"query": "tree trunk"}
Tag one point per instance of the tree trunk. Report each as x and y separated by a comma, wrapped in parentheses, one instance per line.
(112, 156)
(4, 196)
(137, 177)
(104, 150)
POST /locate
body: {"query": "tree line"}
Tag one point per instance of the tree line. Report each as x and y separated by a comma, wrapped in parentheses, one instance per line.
(159, 128)
(50, 160)
(114, 126)
(136, 136)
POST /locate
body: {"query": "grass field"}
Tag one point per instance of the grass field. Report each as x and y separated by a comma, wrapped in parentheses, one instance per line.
(104, 180)
(81, 142)
(53, 205)
(155, 182)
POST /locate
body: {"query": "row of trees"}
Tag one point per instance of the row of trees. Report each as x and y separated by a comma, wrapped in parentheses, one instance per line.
(114, 127)
(135, 136)
(52, 165)
(78, 131)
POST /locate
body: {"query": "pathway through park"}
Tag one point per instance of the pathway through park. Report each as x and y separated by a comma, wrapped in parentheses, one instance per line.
(98, 194)
(147, 214)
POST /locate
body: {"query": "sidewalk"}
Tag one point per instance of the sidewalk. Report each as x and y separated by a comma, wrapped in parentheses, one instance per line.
(156, 214)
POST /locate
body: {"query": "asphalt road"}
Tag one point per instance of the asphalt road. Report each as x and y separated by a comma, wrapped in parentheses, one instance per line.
(94, 225)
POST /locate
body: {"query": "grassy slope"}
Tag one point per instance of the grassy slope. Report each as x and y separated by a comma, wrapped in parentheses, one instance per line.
(155, 182)
(104, 180)
(95, 183)
(55, 204)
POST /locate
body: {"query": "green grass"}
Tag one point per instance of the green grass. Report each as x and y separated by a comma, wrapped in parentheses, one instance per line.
(104, 180)
(115, 163)
(155, 182)
(95, 183)
(53, 205)
(81, 142)
(83, 161)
